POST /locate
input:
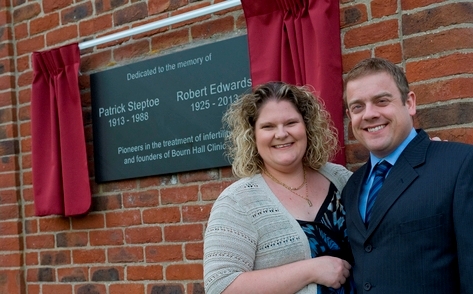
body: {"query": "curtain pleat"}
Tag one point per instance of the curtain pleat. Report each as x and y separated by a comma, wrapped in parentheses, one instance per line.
(298, 42)
(59, 160)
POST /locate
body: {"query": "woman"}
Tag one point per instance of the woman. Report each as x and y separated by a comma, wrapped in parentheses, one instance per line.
(280, 228)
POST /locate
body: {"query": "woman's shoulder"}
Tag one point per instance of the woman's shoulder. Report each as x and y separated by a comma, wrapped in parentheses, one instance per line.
(240, 190)
(336, 173)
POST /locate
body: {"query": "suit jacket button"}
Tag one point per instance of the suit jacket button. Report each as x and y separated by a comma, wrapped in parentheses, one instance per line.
(367, 286)
(368, 248)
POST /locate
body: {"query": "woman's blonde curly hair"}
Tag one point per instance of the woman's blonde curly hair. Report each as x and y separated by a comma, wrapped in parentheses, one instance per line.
(241, 116)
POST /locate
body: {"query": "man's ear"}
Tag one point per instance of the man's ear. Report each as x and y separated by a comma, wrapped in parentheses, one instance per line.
(348, 114)
(411, 103)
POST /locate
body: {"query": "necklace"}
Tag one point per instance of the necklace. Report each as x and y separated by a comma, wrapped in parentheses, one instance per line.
(292, 190)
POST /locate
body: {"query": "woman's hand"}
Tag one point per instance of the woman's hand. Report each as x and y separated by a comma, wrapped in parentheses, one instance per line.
(331, 271)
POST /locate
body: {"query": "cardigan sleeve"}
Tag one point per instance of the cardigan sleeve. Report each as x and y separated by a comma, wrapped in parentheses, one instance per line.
(229, 243)
(336, 173)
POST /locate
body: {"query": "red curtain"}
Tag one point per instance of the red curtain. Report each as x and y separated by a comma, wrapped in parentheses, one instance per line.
(60, 175)
(298, 42)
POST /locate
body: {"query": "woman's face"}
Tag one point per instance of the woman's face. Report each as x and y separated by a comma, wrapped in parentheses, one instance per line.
(281, 137)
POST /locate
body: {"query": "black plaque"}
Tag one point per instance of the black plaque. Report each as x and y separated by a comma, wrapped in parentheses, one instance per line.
(164, 115)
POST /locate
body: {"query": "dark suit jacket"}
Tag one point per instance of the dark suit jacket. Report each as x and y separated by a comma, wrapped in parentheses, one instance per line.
(420, 236)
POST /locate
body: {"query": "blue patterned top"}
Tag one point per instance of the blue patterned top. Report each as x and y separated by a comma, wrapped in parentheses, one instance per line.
(327, 235)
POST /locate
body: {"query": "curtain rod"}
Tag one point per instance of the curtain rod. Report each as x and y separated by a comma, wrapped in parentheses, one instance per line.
(161, 23)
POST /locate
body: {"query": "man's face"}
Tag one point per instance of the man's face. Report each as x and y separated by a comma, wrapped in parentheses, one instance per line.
(380, 121)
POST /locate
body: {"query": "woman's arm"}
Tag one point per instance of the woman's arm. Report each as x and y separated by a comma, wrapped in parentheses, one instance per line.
(290, 278)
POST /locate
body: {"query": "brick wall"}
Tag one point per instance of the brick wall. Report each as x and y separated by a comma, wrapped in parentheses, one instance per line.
(433, 41)
(145, 235)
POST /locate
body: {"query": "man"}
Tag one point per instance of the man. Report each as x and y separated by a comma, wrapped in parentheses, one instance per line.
(416, 234)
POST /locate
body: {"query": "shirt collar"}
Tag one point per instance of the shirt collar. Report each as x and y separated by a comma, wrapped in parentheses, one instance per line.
(392, 158)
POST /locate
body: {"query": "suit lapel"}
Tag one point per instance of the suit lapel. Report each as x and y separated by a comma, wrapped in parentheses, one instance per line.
(402, 174)
(354, 197)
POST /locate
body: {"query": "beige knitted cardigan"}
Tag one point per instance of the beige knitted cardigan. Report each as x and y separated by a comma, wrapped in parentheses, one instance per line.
(249, 229)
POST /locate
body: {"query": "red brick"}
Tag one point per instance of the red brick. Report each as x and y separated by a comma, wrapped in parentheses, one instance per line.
(24, 113)
(464, 135)
(106, 237)
(434, 43)
(54, 224)
(209, 28)
(6, 50)
(141, 235)
(27, 178)
(31, 259)
(106, 202)
(8, 164)
(196, 213)
(161, 215)
(183, 233)
(123, 218)
(179, 195)
(8, 180)
(96, 61)
(25, 79)
(11, 260)
(97, 24)
(382, 8)
(431, 68)
(8, 197)
(62, 34)
(81, 256)
(21, 31)
(26, 145)
(43, 241)
(52, 5)
(411, 4)
(125, 254)
(170, 39)
(26, 161)
(44, 24)
(7, 99)
(163, 253)
(57, 288)
(120, 185)
(184, 272)
(126, 288)
(90, 288)
(10, 228)
(158, 6)
(371, 33)
(29, 45)
(90, 221)
(130, 13)
(72, 239)
(76, 13)
(25, 129)
(72, 274)
(9, 211)
(352, 15)
(436, 17)
(143, 273)
(212, 190)
(26, 12)
(199, 176)
(392, 52)
(356, 153)
(15, 281)
(443, 90)
(61, 257)
(149, 198)
(194, 251)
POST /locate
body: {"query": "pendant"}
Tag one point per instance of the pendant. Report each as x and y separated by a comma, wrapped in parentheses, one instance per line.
(309, 202)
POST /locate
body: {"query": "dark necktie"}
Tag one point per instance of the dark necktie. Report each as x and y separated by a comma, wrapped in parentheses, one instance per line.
(380, 171)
